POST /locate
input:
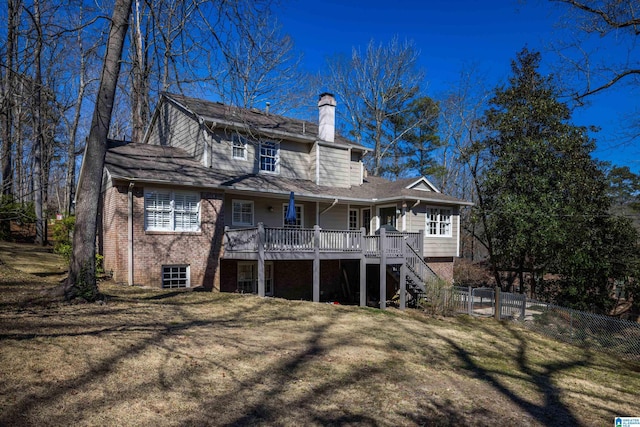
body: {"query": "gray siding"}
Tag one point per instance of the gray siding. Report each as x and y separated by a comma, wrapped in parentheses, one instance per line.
(355, 169)
(294, 160)
(261, 212)
(421, 186)
(176, 128)
(335, 218)
(434, 246)
(334, 166)
(313, 163)
(222, 154)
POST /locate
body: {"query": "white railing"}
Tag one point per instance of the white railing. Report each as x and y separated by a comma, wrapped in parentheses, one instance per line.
(288, 239)
(372, 246)
(277, 239)
(340, 241)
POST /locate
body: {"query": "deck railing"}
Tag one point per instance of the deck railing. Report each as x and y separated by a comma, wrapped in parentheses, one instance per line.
(278, 239)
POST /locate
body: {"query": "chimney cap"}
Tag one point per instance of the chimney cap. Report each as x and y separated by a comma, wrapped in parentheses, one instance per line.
(326, 98)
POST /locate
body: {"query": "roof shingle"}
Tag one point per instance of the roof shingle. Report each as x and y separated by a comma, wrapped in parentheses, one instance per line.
(173, 166)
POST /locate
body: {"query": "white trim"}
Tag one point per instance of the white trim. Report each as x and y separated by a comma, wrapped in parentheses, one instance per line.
(317, 164)
(438, 222)
(276, 157)
(238, 138)
(404, 217)
(241, 223)
(172, 203)
(379, 220)
(370, 209)
(425, 181)
(458, 235)
(284, 213)
(357, 211)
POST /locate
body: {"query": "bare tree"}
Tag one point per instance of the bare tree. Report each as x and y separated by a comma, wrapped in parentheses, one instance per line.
(259, 65)
(82, 274)
(614, 22)
(462, 160)
(376, 86)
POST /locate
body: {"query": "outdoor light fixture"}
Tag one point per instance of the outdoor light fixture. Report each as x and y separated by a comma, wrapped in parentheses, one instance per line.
(270, 208)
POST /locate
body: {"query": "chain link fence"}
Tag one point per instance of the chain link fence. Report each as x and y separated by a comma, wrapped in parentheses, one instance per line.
(593, 331)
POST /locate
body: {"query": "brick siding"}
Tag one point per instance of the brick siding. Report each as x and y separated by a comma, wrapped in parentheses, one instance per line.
(442, 266)
(151, 250)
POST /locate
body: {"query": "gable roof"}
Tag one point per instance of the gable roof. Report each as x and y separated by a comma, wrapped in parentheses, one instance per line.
(218, 114)
(155, 164)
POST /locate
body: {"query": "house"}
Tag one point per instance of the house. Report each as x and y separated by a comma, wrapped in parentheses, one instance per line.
(202, 200)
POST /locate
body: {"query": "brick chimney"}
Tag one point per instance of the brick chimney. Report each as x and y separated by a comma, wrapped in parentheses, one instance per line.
(327, 120)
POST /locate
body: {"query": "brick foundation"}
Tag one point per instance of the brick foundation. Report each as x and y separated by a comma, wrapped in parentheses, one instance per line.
(442, 266)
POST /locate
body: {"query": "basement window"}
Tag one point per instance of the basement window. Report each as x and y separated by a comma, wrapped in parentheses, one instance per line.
(176, 276)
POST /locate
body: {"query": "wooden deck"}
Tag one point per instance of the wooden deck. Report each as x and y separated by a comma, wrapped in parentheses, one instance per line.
(309, 243)
(268, 243)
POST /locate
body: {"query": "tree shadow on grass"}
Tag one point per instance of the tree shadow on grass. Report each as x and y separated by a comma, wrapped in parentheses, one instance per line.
(552, 411)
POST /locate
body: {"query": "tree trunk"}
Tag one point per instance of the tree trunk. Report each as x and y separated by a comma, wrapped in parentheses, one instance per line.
(7, 190)
(82, 273)
(38, 143)
(70, 182)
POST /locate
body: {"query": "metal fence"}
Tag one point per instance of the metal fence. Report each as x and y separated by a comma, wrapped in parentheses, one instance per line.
(620, 337)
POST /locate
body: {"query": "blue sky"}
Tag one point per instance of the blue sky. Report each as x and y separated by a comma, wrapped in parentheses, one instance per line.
(452, 35)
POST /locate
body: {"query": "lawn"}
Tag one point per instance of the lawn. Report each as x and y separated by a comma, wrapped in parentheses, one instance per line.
(154, 357)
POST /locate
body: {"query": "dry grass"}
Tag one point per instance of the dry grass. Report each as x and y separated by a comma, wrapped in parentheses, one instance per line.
(152, 357)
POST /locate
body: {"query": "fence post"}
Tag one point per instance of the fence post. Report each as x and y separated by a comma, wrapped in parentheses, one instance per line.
(470, 300)
(498, 302)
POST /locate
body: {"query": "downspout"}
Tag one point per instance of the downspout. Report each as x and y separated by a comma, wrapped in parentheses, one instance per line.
(335, 202)
(130, 234)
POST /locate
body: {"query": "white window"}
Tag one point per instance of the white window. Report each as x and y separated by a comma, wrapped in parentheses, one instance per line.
(239, 147)
(353, 219)
(166, 210)
(248, 277)
(269, 157)
(242, 213)
(299, 216)
(175, 276)
(438, 222)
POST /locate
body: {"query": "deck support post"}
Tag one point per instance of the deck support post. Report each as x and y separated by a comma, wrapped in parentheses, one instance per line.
(316, 263)
(363, 269)
(403, 286)
(261, 239)
(383, 268)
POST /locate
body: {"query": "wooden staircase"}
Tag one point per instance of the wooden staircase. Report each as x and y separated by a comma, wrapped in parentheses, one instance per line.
(418, 274)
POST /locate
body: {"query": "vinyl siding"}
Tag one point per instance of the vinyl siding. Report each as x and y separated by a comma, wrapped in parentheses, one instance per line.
(262, 214)
(175, 128)
(355, 169)
(334, 166)
(335, 218)
(222, 154)
(434, 246)
(313, 163)
(294, 160)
